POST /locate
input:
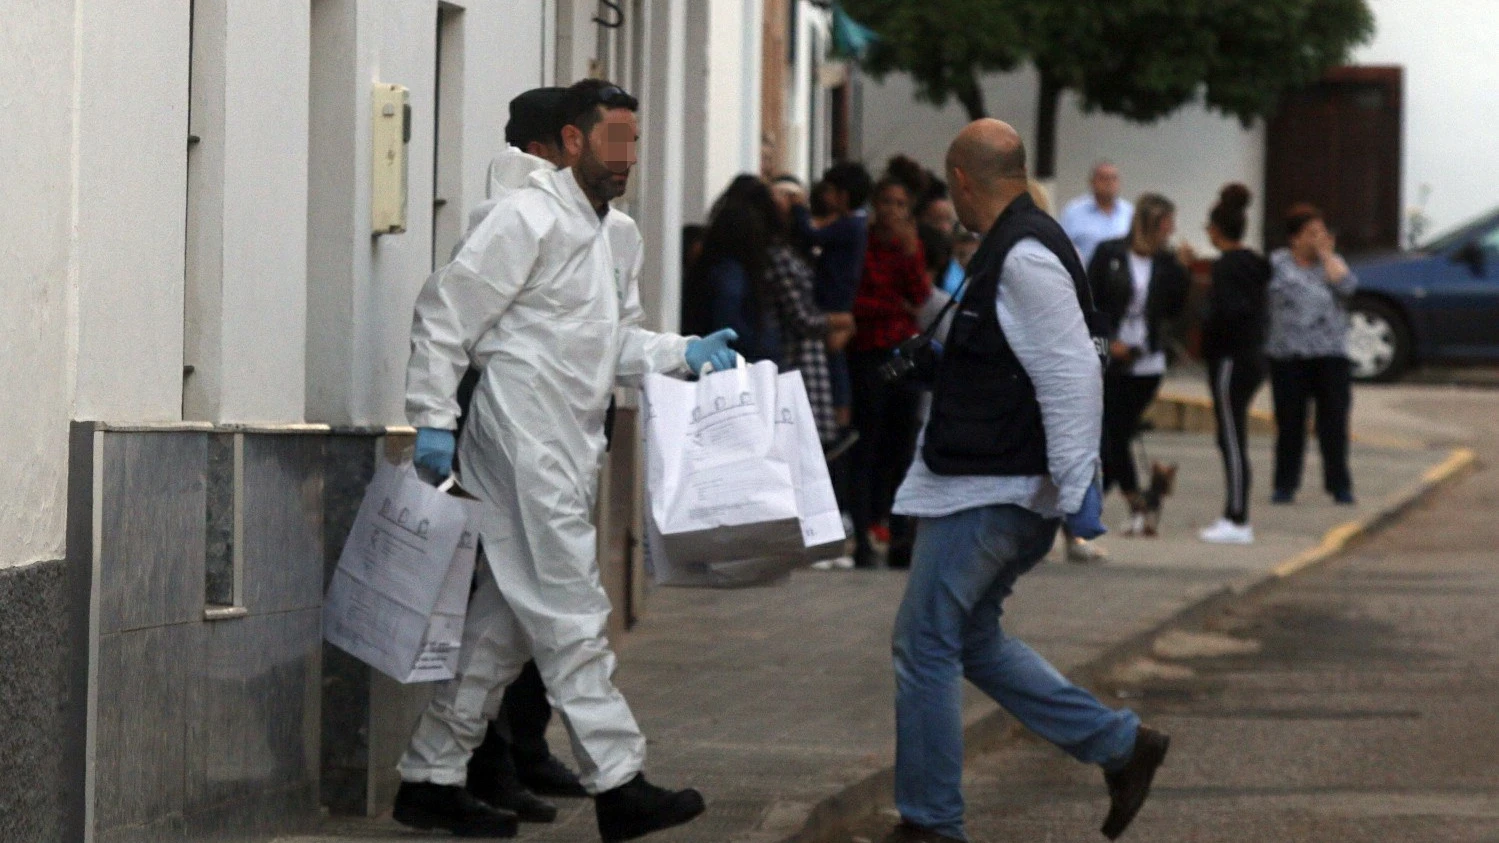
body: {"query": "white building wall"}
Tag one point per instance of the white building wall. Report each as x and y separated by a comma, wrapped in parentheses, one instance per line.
(663, 154)
(1187, 156)
(1451, 87)
(731, 88)
(246, 281)
(36, 153)
(400, 47)
(131, 187)
(361, 288)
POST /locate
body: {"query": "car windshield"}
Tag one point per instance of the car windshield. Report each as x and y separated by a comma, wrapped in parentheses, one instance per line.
(1464, 233)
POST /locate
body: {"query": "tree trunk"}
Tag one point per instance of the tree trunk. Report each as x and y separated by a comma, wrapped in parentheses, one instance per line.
(1047, 100)
(972, 97)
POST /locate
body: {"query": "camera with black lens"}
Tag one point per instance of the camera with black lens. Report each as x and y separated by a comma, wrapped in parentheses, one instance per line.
(913, 361)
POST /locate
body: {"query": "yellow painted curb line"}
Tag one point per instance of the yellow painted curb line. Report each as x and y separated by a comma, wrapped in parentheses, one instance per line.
(1335, 540)
(1198, 402)
(1266, 417)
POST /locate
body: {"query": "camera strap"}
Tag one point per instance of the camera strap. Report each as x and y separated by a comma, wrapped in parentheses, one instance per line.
(931, 330)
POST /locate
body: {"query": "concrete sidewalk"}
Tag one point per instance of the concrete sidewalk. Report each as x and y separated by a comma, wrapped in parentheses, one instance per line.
(777, 703)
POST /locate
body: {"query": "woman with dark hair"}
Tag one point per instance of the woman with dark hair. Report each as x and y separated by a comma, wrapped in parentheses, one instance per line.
(757, 284)
(733, 271)
(1309, 289)
(1233, 332)
(1139, 286)
(894, 286)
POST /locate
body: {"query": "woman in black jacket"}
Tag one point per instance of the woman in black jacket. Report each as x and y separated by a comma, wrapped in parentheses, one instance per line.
(1233, 334)
(1140, 287)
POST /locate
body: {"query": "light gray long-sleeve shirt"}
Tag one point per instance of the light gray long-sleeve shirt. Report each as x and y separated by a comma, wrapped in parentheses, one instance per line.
(1041, 320)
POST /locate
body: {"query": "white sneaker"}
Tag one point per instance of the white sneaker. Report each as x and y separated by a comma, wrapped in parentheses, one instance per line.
(842, 563)
(1135, 526)
(1227, 532)
(1084, 551)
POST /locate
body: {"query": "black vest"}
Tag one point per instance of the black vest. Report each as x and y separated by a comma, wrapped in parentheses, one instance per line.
(985, 419)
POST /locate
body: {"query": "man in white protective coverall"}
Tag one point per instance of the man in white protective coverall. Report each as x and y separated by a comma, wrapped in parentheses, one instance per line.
(514, 766)
(535, 299)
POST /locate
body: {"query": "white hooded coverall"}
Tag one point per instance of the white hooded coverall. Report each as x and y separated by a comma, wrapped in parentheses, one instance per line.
(537, 298)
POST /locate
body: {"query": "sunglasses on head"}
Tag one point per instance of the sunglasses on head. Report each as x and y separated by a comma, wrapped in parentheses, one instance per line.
(613, 96)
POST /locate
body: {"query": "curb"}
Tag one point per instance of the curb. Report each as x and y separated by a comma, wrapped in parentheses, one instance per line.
(1459, 461)
(870, 793)
(1192, 414)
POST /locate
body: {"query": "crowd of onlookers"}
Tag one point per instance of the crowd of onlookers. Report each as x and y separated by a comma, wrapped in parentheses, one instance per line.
(830, 279)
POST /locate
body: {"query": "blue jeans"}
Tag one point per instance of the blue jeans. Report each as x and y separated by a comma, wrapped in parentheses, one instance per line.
(963, 567)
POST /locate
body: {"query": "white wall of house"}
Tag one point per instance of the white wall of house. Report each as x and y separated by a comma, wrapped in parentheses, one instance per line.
(248, 254)
(731, 89)
(361, 287)
(1186, 156)
(246, 273)
(806, 99)
(131, 183)
(37, 51)
(659, 185)
(1451, 88)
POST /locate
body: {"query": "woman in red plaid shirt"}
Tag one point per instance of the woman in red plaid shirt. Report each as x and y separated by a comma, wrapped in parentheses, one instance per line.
(894, 286)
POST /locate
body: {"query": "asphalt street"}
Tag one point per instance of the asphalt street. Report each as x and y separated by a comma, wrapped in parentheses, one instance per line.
(1357, 701)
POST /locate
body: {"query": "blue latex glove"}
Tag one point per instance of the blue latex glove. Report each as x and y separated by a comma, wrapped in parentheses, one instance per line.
(434, 450)
(1087, 522)
(714, 349)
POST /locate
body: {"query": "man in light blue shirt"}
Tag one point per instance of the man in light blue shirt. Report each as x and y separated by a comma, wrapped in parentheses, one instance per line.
(1102, 214)
(982, 523)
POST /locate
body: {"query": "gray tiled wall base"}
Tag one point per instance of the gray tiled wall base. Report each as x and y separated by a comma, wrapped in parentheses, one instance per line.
(204, 730)
(43, 692)
(367, 717)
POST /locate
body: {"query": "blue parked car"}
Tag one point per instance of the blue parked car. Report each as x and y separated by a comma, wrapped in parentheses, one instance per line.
(1439, 303)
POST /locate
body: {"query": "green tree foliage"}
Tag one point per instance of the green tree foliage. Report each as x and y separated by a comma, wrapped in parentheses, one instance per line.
(1139, 59)
(942, 44)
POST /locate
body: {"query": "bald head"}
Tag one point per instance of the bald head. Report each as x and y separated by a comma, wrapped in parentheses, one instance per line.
(988, 151)
(985, 171)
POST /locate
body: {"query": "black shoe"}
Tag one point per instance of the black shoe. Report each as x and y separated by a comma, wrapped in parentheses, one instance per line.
(431, 806)
(551, 778)
(907, 833)
(511, 797)
(1129, 786)
(637, 808)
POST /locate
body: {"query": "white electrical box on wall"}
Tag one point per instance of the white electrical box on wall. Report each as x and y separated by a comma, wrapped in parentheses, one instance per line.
(390, 132)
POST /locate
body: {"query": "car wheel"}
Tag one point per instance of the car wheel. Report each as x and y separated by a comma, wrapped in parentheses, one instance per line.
(1379, 343)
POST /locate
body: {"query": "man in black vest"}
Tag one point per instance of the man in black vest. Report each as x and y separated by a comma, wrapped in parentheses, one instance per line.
(1010, 449)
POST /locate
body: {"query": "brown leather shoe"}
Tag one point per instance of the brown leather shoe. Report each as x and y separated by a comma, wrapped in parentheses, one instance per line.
(1129, 786)
(907, 833)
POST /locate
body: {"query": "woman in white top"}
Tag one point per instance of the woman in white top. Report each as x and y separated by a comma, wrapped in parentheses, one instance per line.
(1140, 287)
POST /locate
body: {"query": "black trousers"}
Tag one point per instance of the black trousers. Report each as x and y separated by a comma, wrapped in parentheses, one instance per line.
(886, 417)
(518, 737)
(1125, 398)
(1234, 381)
(1327, 382)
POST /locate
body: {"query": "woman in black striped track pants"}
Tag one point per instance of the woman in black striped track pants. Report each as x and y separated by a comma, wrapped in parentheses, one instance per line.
(1233, 333)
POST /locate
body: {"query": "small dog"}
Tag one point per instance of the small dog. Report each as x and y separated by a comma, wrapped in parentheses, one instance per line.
(1145, 508)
